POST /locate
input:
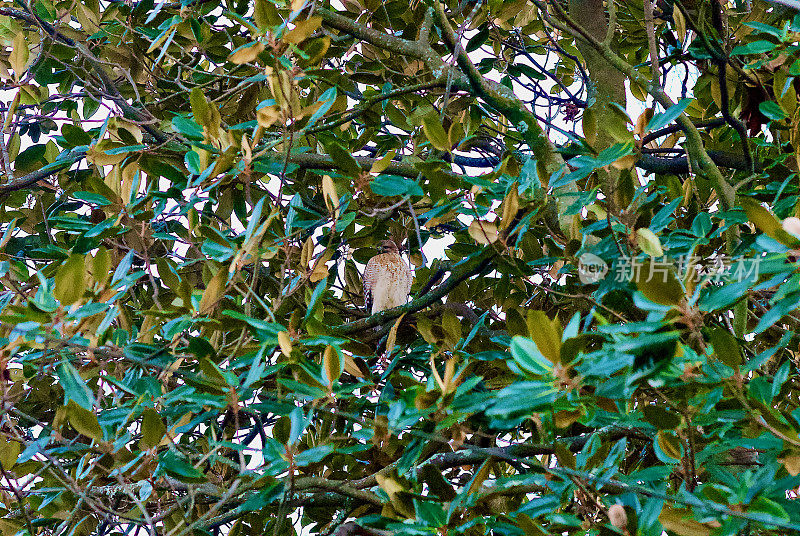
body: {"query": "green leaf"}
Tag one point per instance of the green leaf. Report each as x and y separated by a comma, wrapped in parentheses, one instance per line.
(755, 47)
(187, 127)
(180, 469)
(92, 197)
(74, 386)
(312, 455)
(717, 298)
(394, 185)
(660, 417)
(768, 511)
(527, 355)
(477, 40)
(327, 99)
(123, 267)
(782, 308)
(764, 28)
(434, 131)
(726, 347)
(658, 282)
(84, 421)
(69, 280)
(662, 119)
(315, 296)
(772, 110)
(343, 159)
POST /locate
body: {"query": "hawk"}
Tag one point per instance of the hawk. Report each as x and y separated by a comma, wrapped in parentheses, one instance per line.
(387, 279)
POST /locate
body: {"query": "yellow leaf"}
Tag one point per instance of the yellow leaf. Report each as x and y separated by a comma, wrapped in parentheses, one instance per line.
(265, 14)
(100, 267)
(214, 292)
(84, 421)
(680, 24)
(9, 452)
(379, 165)
(791, 463)
(246, 54)
(669, 444)
(545, 333)
(7, 234)
(642, 121)
(434, 131)
(626, 162)
(12, 111)
(563, 419)
(351, 367)
(483, 232)
(247, 151)
(330, 195)
(510, 207)
(332, 364)
(200, 107)
(319, 273)
(267, 115)
(162, 37)
(392, 337)
(9, 528)
(96, 154)
(19, 55)
(480, 477)
(649, 242)
(589, 124)
(302, 30)
(153, 429)
(285, 343)
(679, 520)
(307, 254)
(69, 280)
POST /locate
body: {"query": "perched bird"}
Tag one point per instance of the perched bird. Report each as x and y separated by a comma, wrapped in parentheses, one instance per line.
(387, 279)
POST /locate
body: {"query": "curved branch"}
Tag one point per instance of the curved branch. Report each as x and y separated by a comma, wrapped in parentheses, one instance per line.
(338, 487)
(721, 61)
(680, 164)
(40, 174)
(142, 116)
(324, 161)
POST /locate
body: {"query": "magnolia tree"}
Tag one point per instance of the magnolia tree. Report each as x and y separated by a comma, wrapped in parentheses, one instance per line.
(600, 336)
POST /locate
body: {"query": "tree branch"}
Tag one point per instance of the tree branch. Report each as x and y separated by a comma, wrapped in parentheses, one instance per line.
(324, 161)
(694, 143)
(40, 174)
(110, 88)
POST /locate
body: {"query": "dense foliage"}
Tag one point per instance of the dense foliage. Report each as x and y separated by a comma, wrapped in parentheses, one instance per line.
(601, 337)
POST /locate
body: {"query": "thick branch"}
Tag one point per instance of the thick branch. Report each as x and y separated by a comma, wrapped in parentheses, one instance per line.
(694, 143)
(680, 164)
(40, 174)
(383, 40)
(340, 488)
(324, 161)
